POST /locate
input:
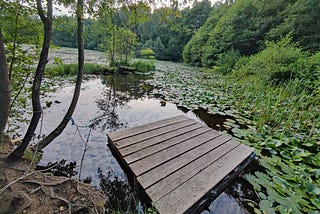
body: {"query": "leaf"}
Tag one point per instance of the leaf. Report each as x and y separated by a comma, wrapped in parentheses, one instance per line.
(316, 202)
(266, 206)
(316, 160)
(283, 209)
(313, 189)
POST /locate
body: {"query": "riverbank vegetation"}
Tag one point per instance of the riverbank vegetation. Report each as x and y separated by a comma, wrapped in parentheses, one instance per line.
(263, 68)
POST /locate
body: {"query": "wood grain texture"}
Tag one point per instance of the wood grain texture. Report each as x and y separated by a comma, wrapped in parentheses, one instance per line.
(165, 155)
(153, 133)
(157, 144)
(182, 198)
(114, 136)
(177, 161)
(172, 181)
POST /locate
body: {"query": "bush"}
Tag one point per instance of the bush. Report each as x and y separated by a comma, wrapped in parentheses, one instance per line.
(279, 62)
(143, 65)
(227, 61)
(147, 53)
(309, 73)
(72, 69)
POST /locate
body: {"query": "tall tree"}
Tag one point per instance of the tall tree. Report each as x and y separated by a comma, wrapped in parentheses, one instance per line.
(4, 88)
(36, 105)
(46, 141)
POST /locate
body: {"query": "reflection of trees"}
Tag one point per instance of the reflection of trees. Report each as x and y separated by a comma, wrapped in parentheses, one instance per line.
(119, 90)
(118, 192)
(61, 168)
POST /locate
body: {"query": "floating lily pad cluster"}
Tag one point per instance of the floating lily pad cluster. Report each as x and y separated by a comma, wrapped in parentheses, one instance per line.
(281, 122)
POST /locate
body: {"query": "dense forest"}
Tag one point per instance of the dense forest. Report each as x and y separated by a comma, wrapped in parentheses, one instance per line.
(165, 30)
(257, 61)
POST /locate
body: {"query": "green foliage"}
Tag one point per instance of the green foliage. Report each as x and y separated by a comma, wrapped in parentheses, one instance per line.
(143, 65)
(53, 70)
(65, 31)
(301, 19)
(279, 62)
(159, 49)
(227, 61)
(169, 29)
(193, 52)
(30, 156)
(245, 25)
(281, 122)
(147, 53)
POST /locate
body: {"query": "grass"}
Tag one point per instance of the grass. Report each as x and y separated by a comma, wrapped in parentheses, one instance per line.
(72, 69)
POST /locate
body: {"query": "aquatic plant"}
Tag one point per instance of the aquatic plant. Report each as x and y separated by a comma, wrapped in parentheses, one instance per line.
(282, 123)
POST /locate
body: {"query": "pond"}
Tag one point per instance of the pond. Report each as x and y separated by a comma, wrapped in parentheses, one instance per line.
(109, 103)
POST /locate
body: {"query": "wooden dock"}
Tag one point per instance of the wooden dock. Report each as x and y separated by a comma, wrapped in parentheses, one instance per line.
(179, 163)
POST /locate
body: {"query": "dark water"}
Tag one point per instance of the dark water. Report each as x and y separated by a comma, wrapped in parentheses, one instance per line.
(111, 103)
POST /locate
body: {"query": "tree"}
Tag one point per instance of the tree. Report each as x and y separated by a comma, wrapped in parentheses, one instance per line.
(195, 49)
(64, 32)
(158, 48)
(36, 105)
(302, 19)
(4, 88)
(55, 133)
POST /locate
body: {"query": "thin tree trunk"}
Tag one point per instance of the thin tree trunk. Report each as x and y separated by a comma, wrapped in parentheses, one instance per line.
(46, 141)
(36, 105)
(4, 88)
(13, 54)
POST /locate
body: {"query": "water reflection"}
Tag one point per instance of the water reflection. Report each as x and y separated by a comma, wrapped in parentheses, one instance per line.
(110, 103)
(118, 191)
(119, 91)
(60, 168)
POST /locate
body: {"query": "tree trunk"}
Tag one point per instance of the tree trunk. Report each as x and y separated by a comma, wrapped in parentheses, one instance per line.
(4, 88)
(36, 105)
(46, 141)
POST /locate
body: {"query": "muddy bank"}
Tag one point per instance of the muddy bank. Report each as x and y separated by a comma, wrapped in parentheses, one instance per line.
(38, 192)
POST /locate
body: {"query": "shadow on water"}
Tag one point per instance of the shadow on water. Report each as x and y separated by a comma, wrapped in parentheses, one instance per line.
(114, 102)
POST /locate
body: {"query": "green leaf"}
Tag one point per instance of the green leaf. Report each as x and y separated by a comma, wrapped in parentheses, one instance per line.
(313, 189)
(266, 206)
(316, 202)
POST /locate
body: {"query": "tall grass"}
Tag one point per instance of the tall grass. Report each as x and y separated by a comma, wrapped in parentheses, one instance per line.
(72, 69)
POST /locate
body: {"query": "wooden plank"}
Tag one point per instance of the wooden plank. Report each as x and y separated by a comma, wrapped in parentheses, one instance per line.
(153, 133)
(148, 147)
(220, 187)
(114, 136)
(183, 197)
(165, 155)
(172, 181)
(162, 171)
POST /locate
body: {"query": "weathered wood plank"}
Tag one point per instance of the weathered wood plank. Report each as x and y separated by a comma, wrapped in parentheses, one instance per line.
(165, 155)
(183, 197)
(152, 133)
(177, 161)
(172, 181)
(114, 136)
(148, 147)
(162, 171)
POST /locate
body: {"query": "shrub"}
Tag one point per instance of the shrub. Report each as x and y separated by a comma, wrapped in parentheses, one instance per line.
(147, 53)
(227, 61)
(279, 62)
(143, 65)
(72, 69)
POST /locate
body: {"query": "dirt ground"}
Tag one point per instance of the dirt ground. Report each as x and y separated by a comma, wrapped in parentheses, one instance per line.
(37, 192)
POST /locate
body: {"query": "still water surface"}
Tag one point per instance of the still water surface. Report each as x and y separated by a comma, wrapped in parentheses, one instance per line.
(110, 103)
